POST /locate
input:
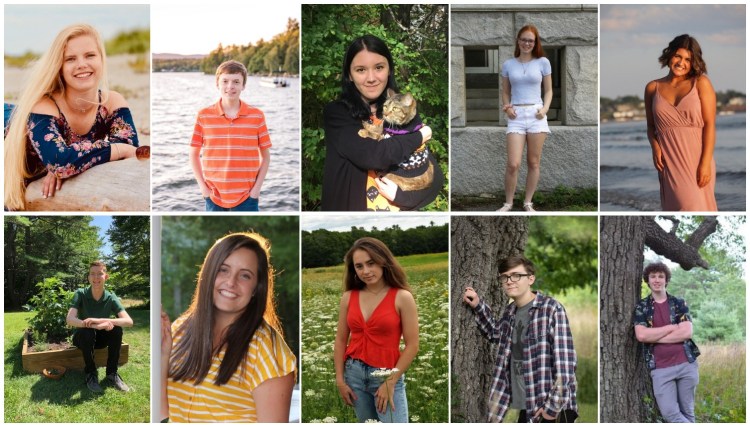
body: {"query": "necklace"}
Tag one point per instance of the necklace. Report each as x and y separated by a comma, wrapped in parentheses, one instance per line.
(524, 65)
(77, 109)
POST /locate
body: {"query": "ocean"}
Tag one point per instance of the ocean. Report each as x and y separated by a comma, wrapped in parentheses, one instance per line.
(629, 182)
(176, 99)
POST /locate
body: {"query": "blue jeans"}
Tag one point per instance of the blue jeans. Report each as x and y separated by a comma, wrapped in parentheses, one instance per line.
(358, 378)
(249, 204)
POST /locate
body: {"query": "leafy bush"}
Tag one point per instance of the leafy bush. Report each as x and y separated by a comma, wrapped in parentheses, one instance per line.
(51, 303)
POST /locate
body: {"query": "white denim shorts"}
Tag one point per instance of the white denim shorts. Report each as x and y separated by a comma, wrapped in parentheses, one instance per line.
(526, 121)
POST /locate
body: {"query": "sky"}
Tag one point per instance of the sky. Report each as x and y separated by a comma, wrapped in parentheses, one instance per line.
(632, 38)
(33, 27)
(380, 221)
(199, 28)
(103, 222)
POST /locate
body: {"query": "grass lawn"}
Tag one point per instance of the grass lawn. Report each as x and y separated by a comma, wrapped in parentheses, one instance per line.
(560, 199)
(32, 398)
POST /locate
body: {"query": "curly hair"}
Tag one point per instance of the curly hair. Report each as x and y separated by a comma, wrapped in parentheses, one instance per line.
(656, 268)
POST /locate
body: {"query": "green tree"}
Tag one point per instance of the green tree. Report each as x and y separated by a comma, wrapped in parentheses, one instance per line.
(131, 258)
(417, 36)
(564, 249)
(38, 247)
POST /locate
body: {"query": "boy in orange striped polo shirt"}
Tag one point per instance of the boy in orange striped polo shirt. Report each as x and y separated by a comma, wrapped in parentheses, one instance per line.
(229, 151)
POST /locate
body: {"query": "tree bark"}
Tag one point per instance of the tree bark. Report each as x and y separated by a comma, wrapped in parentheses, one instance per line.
(477, 243)
(670, 246)
(625, 381)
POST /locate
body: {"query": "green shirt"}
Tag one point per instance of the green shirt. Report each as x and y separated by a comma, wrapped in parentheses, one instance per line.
(88, 307)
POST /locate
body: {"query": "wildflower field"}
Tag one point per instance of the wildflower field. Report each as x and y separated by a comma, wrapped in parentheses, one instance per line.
(426, 379)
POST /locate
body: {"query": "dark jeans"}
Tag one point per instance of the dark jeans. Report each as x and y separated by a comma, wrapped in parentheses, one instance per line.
(566, 416)
(89, 339)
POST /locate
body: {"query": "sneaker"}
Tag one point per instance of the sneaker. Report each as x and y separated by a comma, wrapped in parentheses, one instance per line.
(117, 382)
(505, 208)
(92, 381)
(529, 207)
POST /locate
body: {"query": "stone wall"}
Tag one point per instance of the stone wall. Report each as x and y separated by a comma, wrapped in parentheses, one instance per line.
(570, 155)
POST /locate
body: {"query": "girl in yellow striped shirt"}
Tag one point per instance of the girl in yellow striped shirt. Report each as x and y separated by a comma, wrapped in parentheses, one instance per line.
(225, 359)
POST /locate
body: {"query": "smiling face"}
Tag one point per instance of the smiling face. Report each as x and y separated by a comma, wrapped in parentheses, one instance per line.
(230, 87)
(97, 277)
(369, 73)
(522, 288)
(657, 281)
(236, 281)
(82, 63)
(526, 42)
(366, 268)
(681, 63)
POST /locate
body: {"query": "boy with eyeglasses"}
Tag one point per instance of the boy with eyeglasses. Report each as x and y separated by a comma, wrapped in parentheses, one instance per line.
(536, 361)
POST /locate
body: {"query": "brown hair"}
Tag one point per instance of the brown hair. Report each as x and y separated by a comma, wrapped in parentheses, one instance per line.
(232, 67)
(656, 268)
(537, 52)
(393, 274)
(517, 260)
(191, 356)
(98, 263)
(685, 41)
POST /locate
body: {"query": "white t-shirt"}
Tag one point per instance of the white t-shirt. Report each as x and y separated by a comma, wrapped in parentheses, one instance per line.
(526, 79)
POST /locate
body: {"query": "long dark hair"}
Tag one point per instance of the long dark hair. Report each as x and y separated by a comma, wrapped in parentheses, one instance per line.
(393, 274)
(685, 41)
(191, 357)
(349, 94)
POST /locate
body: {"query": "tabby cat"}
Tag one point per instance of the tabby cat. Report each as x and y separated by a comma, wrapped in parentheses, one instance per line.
(399, 110)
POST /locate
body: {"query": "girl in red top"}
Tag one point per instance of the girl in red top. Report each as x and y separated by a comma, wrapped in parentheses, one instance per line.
(376, 310)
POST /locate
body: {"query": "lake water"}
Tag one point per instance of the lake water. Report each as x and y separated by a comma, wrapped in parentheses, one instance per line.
(629, 181)
(176, 99)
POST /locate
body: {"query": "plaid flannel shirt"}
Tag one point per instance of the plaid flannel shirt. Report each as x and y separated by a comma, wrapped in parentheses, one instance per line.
(678, 313)
(549, 358)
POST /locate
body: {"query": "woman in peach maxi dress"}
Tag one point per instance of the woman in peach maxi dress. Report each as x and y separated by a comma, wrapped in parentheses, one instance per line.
(681, 114)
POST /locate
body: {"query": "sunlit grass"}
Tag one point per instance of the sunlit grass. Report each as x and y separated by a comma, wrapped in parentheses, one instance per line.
(32, 398)
(427, 378)
(720, 396)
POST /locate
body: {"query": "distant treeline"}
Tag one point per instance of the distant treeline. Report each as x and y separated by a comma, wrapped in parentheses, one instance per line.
(322, 248)
(281, 54)
(177, 65)
(607, 104)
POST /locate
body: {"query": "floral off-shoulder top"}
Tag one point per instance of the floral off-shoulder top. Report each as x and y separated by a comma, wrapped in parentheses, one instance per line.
(55, 147)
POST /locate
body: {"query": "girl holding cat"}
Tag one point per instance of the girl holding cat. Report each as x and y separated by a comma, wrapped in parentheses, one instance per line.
(526, 111)
(366, 74)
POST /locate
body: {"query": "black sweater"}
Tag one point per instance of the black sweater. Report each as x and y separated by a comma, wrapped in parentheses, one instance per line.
(349, 157)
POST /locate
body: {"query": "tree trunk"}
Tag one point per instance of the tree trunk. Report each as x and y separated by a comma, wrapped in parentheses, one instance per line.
(11, 230)
(625, 380)
(476, 245)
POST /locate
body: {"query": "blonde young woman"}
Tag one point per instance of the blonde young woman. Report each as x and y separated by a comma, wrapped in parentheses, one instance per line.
(66, 120)
(523, 75)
